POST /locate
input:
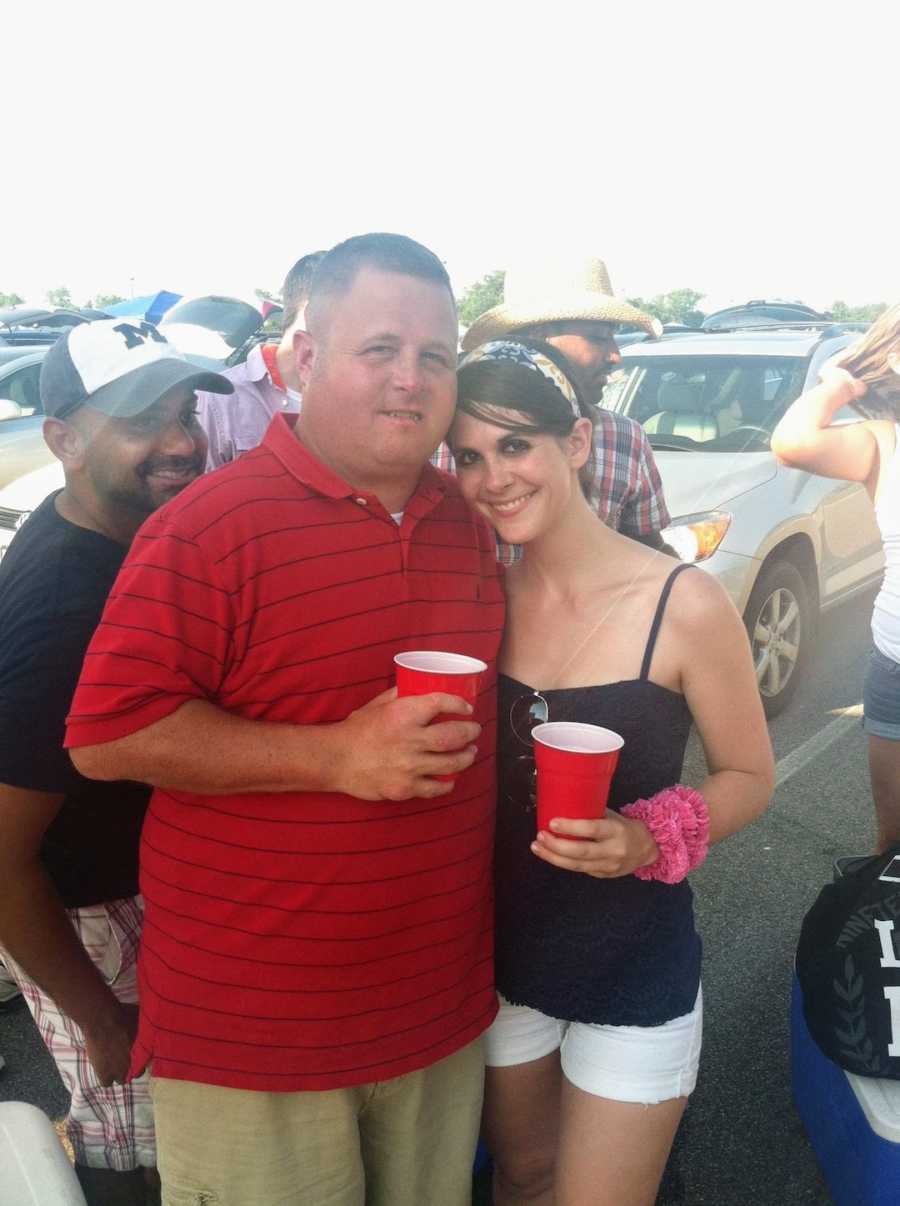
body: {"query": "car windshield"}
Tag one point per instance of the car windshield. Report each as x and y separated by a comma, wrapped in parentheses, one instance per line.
(713, 403)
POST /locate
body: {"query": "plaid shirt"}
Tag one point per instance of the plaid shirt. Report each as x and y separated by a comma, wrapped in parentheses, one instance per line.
(107, 1127)
(628, 493)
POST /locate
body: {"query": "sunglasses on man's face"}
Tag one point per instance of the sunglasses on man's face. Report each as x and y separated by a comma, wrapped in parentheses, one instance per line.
(526, 713)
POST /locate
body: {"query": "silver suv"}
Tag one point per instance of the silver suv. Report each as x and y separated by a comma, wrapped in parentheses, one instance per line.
(786, 545)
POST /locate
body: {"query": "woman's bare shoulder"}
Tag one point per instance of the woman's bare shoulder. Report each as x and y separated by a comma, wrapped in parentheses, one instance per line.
(703, 634)
(699, 598)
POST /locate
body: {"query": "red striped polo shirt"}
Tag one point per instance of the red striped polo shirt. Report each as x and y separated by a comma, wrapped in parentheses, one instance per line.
(302, 940)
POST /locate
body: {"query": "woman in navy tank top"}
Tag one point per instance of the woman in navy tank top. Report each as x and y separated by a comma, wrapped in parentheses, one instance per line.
(595, 1049)
(867, 377)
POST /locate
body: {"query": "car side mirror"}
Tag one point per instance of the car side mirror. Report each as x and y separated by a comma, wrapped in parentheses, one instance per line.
(10, 409)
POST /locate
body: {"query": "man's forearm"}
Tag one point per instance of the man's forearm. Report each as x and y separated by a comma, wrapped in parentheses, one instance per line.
(36, 932)
(201, 748)
(389, 749)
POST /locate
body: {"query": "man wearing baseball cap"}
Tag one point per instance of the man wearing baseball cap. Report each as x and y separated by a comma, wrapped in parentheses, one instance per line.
(570, 303)
(121, 418)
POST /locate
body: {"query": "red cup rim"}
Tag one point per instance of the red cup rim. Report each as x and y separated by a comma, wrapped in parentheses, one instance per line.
(444, 663)
(595, 738)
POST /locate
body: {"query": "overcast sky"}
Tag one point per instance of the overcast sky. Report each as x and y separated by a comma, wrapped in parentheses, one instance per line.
(744, 150)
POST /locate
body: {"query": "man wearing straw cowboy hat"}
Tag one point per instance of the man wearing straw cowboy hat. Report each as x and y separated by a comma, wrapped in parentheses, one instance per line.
(571, 304)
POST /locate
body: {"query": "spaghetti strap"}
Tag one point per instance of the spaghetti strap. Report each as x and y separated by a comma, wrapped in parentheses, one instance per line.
(657, 619)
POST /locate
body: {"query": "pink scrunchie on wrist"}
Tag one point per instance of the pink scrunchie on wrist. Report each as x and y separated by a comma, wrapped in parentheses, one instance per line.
(679, 821)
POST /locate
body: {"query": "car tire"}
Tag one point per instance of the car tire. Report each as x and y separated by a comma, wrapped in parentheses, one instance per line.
(779, 624)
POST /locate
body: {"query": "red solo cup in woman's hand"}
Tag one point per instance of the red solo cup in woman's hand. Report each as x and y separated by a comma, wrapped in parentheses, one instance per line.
(424, 671)
(575, 765)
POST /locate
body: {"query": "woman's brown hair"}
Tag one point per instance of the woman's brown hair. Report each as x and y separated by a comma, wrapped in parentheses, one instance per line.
(875, 360)
(487, 387)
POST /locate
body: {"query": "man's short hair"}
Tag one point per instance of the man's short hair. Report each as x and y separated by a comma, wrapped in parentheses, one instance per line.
(338, 270)
(296, 287)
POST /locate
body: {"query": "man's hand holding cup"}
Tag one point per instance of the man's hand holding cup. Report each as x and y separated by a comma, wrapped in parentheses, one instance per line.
(391, 749)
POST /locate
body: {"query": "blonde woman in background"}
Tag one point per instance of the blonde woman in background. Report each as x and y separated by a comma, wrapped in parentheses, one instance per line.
(866, 377)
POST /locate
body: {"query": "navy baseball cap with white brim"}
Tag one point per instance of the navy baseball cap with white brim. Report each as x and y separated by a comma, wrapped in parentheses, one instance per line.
(119, 367)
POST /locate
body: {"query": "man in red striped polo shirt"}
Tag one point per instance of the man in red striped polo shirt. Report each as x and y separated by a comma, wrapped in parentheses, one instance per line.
(316, 967)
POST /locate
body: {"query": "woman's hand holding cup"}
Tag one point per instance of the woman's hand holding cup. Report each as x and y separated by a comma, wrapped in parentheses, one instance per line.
(605, 848)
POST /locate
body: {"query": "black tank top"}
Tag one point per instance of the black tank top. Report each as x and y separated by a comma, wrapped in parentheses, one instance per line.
(622, 951)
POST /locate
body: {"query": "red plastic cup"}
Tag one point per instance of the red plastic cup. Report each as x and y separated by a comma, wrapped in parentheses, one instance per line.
(575, 765)
(425, 670)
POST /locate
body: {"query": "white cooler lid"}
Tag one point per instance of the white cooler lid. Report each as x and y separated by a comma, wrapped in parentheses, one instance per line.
(34, 1169)
(880, 1101)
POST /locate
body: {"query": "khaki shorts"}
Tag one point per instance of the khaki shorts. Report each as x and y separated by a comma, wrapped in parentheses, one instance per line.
(403, 1142)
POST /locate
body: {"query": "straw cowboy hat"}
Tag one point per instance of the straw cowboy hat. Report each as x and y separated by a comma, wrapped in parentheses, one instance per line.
(560, 292)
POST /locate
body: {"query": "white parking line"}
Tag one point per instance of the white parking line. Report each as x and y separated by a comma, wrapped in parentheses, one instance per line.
(797, 759)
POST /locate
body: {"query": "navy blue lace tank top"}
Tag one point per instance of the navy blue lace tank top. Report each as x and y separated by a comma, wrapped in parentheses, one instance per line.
(624, 951)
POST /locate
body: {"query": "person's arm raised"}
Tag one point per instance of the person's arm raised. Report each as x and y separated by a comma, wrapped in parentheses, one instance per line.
(386, 750)
(805, 439)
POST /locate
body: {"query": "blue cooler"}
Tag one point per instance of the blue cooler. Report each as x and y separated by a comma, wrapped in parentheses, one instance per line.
(853, 1122)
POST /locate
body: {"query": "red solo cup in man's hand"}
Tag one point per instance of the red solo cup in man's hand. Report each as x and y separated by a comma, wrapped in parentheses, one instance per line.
(575, 765)
(424, 671)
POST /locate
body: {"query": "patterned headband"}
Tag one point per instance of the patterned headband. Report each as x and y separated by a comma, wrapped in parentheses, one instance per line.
(517, 353)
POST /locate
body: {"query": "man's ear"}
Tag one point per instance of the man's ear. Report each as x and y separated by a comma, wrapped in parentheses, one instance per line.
(580, 440)
(65, 442)
(304, 347)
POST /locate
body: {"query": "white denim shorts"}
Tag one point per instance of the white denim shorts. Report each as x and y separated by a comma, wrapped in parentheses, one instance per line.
(644, 1064)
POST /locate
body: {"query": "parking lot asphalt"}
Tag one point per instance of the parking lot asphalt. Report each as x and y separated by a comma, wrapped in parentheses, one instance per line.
(742, 1143)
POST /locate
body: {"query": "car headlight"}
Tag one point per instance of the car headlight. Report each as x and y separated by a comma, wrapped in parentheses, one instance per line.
(696, 537)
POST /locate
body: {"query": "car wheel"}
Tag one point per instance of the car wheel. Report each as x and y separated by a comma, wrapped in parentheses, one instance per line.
(778, 623)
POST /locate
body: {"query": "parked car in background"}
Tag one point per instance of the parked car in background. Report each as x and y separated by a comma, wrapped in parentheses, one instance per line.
(214, 331)
(786, 545)
(629, 336)
(761, 313)
(24, 326)
(20, 370)
(22, 447)
(26, 492)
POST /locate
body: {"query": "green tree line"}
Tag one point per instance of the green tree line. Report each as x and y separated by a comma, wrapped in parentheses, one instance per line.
(60, 298)
(678, 305)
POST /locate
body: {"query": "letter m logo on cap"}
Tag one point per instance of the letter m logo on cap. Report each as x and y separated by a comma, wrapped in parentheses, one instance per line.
(102, 352)
(135, 336)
